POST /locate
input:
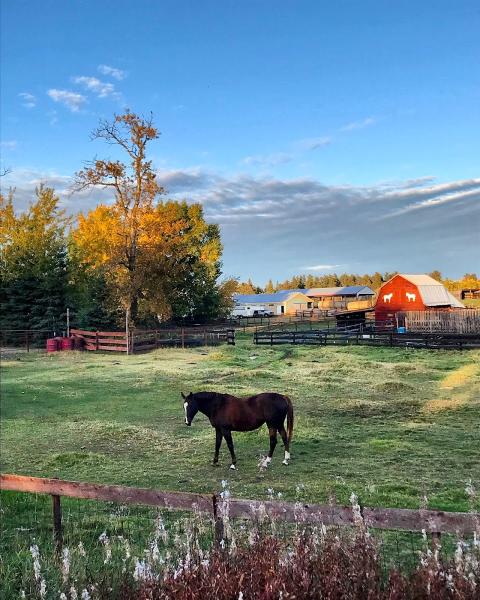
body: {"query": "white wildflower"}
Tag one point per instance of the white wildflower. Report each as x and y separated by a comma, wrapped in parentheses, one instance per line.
(357, 512)
(43, 588)
(81, 549)
(65, 564)
(459, 557)
(85, 595)
(160, 531)
(34, 551)
(106, 544)
(22, 594)
(73, 593)
(240, 596)
(142, 571)
(63, 596)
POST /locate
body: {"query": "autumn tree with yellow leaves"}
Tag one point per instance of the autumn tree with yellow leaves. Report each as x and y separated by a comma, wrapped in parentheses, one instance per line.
(159, 258)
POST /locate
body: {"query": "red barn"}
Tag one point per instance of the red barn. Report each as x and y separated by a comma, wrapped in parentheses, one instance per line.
(411, 292)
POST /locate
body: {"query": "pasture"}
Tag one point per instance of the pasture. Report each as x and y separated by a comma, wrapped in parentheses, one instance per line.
(392, 425)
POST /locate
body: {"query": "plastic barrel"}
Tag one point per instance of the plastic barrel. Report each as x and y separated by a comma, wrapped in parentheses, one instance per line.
(401, 330)
(52, 345)
(78, 343)
(66, 343)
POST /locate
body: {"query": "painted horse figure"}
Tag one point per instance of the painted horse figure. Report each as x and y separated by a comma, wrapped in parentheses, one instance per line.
(228, 413)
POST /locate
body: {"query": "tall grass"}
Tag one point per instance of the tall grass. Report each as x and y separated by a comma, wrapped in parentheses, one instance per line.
(261, 560)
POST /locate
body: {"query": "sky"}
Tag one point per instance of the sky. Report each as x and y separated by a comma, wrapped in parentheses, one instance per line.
(322, 136)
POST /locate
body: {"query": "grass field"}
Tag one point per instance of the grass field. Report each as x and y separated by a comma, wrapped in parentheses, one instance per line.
(391, 425)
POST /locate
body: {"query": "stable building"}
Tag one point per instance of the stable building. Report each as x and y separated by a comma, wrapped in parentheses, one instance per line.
(405, 292)
(283, 302)
(341, 297)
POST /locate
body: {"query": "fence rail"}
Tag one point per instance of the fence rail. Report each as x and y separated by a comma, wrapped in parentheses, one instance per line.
(140, 341)
(437, 321)
(434, 522)
(327, 337)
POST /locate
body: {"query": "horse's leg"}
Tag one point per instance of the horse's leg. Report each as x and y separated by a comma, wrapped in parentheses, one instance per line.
(218, 443)
(272, 432)
(227, 434)
(284, 435)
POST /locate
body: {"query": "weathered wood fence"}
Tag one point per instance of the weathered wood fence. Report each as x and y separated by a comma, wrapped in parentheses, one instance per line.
(140, 341)
(348, 338)
(437, 321)
(434, 522)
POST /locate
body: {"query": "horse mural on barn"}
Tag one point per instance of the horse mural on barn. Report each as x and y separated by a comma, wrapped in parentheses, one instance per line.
(388, 297)
(228, 413)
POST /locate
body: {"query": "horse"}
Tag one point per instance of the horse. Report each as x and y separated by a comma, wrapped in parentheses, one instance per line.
(228, 413)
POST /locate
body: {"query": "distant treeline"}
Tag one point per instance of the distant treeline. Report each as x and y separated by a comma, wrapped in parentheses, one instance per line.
(374, 281)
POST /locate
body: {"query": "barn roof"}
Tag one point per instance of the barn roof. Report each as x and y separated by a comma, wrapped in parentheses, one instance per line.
(433, 292)
(348, 290)
(280, 296)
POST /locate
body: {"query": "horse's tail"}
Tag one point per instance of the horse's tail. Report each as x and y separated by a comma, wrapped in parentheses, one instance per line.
(289, 419)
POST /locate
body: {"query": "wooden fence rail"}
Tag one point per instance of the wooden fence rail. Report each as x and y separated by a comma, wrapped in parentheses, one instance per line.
(344, 338)
(434, 522)
(140, 341)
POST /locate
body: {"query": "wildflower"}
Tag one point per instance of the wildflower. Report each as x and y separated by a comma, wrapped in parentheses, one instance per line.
(81, 549)
(22, 594)
(85, 595)
(65, 564)
(43, 588)
(160, 531)
(73, 593)
(357, 512)
(106, 543)
(36, 561)
(142, 571)
(240, 595)
(63, 596)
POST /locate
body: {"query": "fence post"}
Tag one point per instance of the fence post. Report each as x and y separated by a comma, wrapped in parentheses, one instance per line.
(57, 522)
(27, 341)
(183, 338)
(97, 343)
(204, 337)
(218, 533)
(271, 339)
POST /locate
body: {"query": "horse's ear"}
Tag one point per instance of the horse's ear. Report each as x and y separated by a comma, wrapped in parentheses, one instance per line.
(183, 396)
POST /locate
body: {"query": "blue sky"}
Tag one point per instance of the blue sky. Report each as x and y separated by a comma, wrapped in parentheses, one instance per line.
(322, 136)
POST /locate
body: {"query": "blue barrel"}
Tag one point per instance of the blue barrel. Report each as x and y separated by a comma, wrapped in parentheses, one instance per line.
(401, 330)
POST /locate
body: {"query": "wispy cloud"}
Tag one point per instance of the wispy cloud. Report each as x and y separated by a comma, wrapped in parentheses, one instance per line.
(360, 124)
(321, 267)
(101, 88)
(9, 144)
(268, 160)
(112, 72)
(29, 100)
(314, 143)
(72, 100)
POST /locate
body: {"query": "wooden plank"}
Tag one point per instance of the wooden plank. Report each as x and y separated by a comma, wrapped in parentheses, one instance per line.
(108, 493)
(83, 332)
(110, 348)
(112, 340)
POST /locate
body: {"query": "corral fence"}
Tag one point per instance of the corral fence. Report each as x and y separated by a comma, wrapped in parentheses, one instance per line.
(28, 339)
(433, 522)
(359, 338)
(141, 341)
(437, 321)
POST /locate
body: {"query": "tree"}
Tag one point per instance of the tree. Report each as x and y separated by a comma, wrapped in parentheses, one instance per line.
(269, 289)
(246, 288)
(135, 190)
(33, 263)
(436, 275)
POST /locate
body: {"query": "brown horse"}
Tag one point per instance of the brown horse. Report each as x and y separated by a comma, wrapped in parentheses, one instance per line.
(228, 413)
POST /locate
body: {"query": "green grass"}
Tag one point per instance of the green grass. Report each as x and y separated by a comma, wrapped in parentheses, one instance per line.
(391, 425)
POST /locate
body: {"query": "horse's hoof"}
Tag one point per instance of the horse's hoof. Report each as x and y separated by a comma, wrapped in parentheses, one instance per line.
(233, 467)
(285, 462)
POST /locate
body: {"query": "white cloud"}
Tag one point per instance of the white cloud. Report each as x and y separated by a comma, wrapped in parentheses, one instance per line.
(9, 144)
(29, 100)
(71, 100)
(359, 124)
(314, 143)
(100, 88)
(321, 267)
(267, 160)
(112, 72)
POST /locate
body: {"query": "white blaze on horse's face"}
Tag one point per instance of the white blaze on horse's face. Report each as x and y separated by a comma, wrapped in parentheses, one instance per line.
(185, 406)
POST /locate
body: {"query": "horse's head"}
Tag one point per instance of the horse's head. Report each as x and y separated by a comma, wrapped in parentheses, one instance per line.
(190, 406)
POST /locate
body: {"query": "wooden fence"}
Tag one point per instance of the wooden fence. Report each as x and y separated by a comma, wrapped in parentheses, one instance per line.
(347, 338)
(434, 522)
(140, 341)
(437, 321)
